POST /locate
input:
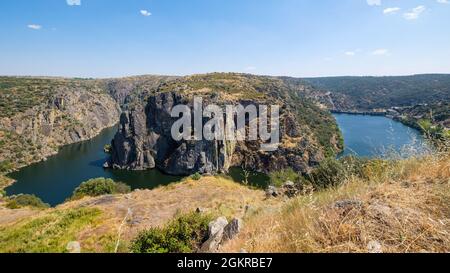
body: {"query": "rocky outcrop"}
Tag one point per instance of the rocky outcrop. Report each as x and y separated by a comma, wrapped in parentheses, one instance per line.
(220, 232)
(144, 139)
(70, 115)
(289, 189)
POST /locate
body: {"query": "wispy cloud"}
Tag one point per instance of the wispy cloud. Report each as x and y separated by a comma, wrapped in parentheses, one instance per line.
(374, 2)
(380, 52)
(73, 2)
(414, 13)
(350, 53)
(443, 1)
(145, 12)
(250, 68)
(391, 10)
(34, 26)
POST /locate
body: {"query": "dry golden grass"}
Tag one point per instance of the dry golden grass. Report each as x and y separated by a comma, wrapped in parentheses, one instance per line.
(405, 207)
(152, 208)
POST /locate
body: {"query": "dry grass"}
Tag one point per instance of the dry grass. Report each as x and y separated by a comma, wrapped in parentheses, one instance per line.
(404, 206)
(152, 208)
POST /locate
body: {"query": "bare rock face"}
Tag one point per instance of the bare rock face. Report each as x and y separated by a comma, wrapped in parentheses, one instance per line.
(144, 139)
(70, 115)
(232, 229)
(215, 235)
(219, 232)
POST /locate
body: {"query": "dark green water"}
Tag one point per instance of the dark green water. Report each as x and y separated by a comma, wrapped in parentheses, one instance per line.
(378, 136)
(55, 179)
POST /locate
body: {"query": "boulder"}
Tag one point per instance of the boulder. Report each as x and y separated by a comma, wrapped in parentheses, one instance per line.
(374, 247)
(232, 229)
(201, 210)
(290, 189)
(217, 226)
(272, 191)
(215, 235)
(348, 204)
(73, 247)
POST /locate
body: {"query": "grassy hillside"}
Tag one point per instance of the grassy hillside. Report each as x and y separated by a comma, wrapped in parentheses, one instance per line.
(400, 206)
(395, 206)
(367, 93)
(95, 222)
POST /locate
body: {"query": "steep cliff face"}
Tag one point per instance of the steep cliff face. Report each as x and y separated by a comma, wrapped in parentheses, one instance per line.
(70, 112)
(126, 90)
(144, 139)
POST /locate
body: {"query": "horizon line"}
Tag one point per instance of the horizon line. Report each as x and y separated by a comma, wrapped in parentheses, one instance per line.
(207, 73)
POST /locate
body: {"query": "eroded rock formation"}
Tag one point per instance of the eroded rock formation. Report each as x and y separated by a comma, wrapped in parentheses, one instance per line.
(144, 139)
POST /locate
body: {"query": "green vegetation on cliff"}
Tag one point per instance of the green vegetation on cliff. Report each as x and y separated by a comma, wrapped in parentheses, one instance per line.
(19, 94)
(38, 115)
(368, 93)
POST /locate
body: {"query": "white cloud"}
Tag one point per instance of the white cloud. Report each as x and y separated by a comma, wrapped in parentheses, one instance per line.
(250, 68)
(391, 10)
(380, 52)
(35, 27)
(145, 12)
(350, 53)
(73, 2)
(443, 1)
(414, 13)
(374, 2)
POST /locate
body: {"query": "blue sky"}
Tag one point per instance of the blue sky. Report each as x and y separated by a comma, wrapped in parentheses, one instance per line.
(110, 38)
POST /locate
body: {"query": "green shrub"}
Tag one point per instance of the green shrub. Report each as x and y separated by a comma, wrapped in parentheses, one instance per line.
(100, 186)
(6, 166)
(107, 148)
(185, 234)
(278, 178)
(2, 193)
(331, 172)
(196, 176)
(26, 200)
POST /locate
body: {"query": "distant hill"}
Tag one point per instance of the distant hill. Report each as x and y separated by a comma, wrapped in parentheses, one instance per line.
(367, 93)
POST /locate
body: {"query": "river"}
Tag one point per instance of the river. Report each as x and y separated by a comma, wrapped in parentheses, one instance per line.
(54, 180)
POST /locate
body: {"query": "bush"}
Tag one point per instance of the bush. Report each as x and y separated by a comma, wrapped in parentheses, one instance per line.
(196, 176)
(6, 166)
(100, 186)
(26, 200)
(331, 172)
(278, 178)
(185, 234)
(107, 148)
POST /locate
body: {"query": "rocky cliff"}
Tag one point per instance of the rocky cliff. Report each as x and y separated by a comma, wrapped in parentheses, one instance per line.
(144, 138)
(63, 112)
